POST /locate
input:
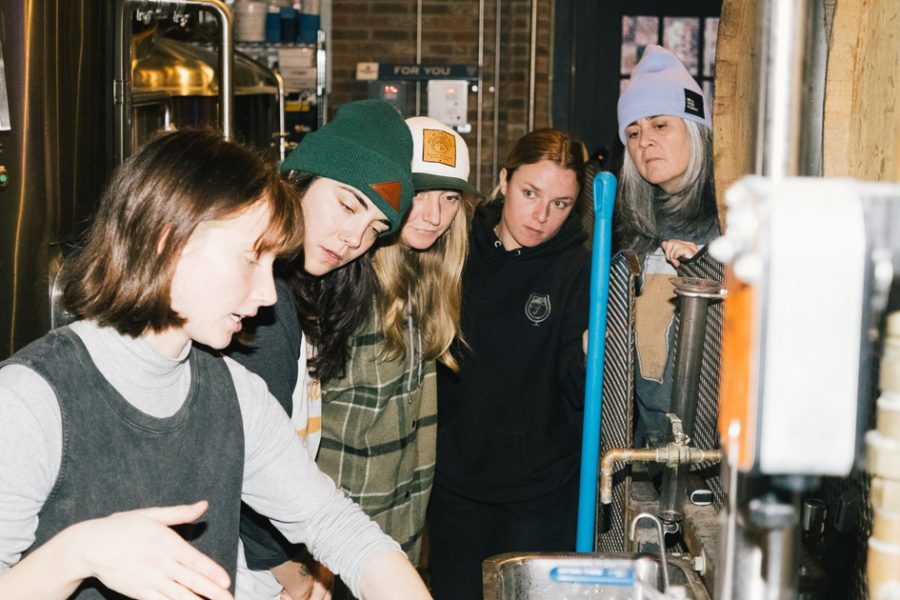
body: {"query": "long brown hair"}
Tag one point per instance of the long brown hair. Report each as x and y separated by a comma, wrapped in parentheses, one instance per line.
(123, 276)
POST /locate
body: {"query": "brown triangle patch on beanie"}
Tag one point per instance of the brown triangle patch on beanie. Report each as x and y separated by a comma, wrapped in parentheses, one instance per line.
(390, 191)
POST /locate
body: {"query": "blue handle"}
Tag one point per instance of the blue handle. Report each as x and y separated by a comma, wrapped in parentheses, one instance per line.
(604, 198)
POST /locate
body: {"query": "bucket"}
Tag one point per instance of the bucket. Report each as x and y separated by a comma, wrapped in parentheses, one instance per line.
(250, 21)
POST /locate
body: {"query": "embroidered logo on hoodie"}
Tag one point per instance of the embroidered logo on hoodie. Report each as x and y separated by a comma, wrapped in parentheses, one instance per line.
(537, 308)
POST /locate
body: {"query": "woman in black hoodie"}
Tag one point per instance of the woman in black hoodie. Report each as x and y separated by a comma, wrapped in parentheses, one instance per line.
(509, 427)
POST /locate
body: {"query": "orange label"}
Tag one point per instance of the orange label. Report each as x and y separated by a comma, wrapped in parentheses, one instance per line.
(438, 147)
(390, 191)
(736, 393)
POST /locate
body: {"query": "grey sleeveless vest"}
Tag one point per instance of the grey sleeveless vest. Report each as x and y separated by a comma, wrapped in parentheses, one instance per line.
(117, 458)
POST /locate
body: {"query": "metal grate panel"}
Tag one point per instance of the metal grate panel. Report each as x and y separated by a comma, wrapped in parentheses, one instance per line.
(618, 384)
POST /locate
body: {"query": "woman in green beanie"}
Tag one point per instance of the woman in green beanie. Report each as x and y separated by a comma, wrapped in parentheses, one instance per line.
(379, 418)
(354, 182)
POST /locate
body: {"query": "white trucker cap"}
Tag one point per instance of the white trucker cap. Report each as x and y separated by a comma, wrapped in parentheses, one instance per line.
(440, 157)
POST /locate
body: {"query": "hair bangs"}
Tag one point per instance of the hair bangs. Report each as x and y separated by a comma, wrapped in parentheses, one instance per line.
(284, 236)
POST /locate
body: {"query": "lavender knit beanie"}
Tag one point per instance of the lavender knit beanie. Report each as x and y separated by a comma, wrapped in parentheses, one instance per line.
(660, 85)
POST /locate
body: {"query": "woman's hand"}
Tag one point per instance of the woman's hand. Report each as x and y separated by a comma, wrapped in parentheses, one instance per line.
(304, 582)
(676, 250)
(137, 554)
(134, 553)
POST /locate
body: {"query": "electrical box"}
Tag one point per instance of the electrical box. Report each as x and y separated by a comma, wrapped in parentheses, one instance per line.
(800, 316)
(448, 101)
(393, 92)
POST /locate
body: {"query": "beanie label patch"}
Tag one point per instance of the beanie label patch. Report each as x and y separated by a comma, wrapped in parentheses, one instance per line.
(390, 191)
(693, 103)
(438, 147)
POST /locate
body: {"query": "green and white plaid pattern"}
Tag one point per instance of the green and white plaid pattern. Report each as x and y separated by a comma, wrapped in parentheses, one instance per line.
(379, 426)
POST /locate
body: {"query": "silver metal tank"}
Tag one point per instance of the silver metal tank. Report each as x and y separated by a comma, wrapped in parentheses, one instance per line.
(58, 129)
(181, 76)
(55, 145)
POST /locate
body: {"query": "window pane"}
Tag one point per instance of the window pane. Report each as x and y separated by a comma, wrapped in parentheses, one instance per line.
(637, 32)
(710, 34)
(681, 35)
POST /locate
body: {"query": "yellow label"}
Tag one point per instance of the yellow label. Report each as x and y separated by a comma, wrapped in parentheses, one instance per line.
(438, 147)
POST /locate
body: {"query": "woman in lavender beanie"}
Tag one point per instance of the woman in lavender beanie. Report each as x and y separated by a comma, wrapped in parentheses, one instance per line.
(666, 193)
(666, 209)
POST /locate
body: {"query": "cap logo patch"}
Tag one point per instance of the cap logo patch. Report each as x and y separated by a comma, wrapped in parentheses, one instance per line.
(438, 147)
(390, 191)
(693, 103)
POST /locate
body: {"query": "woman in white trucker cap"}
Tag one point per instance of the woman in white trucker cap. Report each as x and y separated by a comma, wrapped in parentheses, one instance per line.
(379, 418)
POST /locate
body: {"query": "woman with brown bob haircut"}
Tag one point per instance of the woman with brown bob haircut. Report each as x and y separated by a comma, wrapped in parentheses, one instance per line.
(152, 208)
(116, 427)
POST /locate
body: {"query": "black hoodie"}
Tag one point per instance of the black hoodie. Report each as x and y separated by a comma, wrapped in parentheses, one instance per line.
(509, 422)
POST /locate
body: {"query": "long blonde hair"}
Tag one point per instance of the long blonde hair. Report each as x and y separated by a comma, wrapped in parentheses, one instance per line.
(425, 285)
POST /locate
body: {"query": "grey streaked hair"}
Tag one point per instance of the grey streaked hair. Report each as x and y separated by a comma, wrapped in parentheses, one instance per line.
(647, 215)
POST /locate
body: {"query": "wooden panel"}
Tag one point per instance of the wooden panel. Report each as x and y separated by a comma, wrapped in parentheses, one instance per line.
(862, 121)
(737, 96)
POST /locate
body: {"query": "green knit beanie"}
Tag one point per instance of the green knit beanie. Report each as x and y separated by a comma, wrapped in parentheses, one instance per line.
(368, 146)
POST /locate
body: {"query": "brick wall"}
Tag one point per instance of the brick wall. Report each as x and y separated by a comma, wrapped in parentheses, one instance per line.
(385, 31)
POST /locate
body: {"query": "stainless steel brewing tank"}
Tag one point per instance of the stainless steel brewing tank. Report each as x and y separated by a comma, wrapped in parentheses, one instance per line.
(57, 148)
(57, 135)
(186, 73)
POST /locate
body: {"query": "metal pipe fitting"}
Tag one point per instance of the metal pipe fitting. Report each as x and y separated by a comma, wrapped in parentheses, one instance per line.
(671, 455)
(662, 544)
(621, 454)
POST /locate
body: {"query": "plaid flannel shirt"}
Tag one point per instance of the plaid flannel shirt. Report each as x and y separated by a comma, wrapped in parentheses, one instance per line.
(379, 426)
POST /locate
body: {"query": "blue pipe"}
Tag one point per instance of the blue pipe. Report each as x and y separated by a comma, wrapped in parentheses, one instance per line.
(604, 197)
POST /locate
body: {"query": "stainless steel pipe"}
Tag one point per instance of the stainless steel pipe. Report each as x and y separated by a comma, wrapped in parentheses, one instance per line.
(671, 455)
(532, 61)
(282, 134)
(781, 82)
(480, 94)
(495, 151)
(694, 297)
(660, 532)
